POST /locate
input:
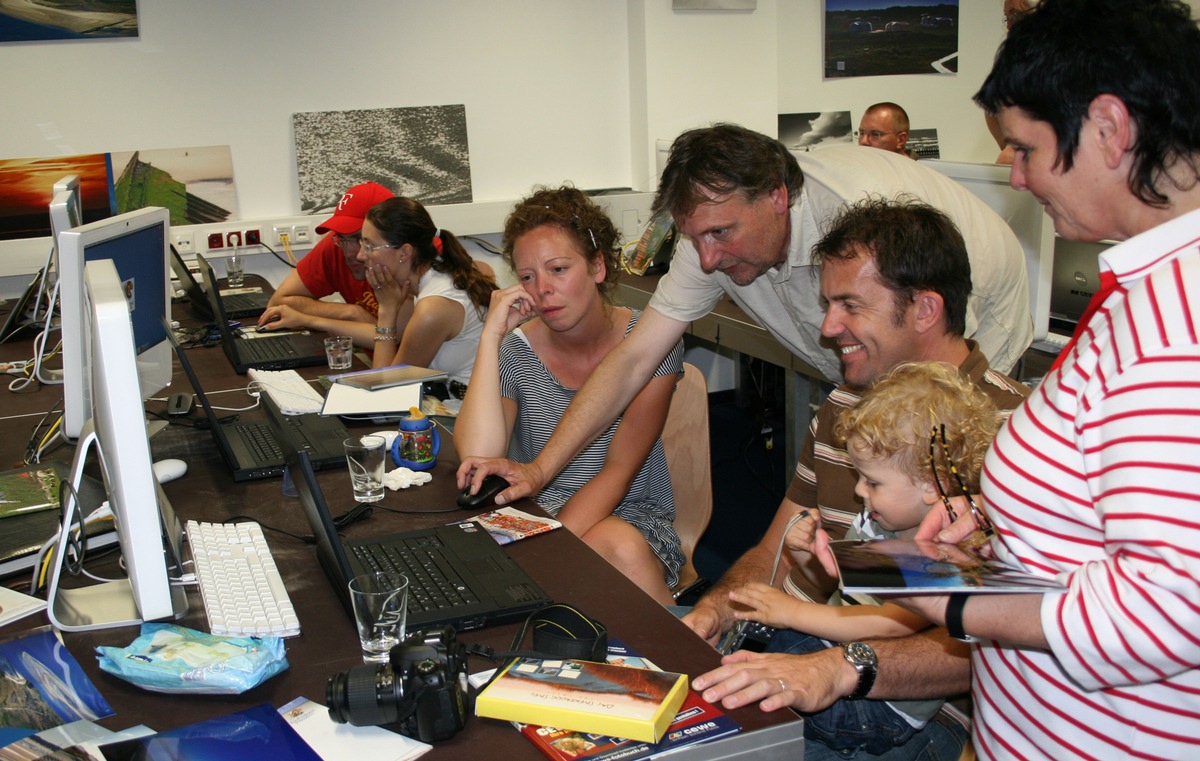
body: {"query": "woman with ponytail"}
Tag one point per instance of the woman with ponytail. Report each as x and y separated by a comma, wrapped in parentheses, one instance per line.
(432, 299)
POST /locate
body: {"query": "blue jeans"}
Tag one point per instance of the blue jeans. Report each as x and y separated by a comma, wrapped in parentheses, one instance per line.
(866, 729)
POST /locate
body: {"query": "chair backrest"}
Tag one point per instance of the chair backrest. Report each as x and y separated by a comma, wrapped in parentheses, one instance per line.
(685, 439)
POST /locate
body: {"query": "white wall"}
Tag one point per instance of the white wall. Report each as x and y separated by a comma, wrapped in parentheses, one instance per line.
(554, 90)
(931, 100)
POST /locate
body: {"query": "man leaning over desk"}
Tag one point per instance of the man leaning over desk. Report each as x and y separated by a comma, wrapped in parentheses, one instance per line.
(750, 212)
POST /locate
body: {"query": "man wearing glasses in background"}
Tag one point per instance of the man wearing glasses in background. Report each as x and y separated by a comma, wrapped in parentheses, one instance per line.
(885, 126)
(332, 267)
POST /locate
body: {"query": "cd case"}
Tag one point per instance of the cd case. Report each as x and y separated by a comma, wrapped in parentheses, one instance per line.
(896, 566)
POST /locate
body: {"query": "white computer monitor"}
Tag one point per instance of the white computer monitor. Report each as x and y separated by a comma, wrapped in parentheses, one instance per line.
(149, 532)
(138, 243)
(1026, 217)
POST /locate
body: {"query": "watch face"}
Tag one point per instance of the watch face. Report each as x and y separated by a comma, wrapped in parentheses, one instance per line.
(860, 653)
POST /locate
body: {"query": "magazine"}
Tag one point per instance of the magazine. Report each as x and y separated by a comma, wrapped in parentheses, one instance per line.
(897, 566)
(28, 490)
(508, 524)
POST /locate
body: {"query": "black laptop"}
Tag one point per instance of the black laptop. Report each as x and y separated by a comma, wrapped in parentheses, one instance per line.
(255, 450)
(457, 574)
(237, 305)
(273, 351)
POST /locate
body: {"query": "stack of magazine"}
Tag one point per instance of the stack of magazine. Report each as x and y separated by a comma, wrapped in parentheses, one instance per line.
(30, 515)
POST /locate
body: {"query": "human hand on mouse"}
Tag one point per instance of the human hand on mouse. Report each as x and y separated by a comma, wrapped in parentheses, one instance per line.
(279, 317)
(524, 479)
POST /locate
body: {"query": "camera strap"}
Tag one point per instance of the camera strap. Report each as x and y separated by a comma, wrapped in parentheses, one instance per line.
(559, 631)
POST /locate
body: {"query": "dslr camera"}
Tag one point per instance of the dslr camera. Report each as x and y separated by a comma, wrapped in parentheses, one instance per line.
(422, 688)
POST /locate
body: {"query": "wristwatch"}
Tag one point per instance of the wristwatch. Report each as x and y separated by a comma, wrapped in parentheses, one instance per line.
(862, 657)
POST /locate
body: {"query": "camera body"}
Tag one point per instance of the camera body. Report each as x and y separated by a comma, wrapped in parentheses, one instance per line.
(422, 688)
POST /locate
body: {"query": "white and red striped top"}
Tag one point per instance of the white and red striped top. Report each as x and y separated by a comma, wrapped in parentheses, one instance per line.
(1097, 477)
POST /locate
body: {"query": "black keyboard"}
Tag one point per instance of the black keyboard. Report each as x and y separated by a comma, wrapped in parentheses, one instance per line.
(262, 440)
(432, 582)
(268, 348)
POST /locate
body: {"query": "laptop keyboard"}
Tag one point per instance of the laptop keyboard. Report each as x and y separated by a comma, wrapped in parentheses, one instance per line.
(267, 348)
(261, 439)
(432, 583)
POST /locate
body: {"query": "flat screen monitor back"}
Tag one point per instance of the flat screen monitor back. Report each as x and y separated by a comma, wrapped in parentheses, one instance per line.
(138, 244)
(1023, 213)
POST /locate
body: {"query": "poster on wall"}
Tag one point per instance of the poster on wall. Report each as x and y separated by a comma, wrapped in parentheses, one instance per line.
(871, 38)
(924, 143)
(27, 186)
(196, 184)
(808, 131)
(38, 20)
(420, 152)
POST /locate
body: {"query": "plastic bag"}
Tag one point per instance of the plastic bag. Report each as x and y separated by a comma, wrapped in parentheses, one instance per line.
(175, 659)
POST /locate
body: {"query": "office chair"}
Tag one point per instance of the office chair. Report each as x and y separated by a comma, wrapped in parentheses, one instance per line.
(685, 440)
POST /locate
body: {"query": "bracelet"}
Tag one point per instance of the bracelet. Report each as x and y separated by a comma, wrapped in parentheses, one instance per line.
(378, 339)
(954, 617)
(385, 331)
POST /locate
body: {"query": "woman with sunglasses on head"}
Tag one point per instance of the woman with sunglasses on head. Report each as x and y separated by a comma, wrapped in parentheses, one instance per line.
(902, 473)
(543, 338)
(432, 298)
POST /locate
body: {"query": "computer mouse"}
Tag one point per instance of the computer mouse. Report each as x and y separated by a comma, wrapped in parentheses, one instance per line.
(491, 486)
(169, 470)
(262, 328)
(180, 404)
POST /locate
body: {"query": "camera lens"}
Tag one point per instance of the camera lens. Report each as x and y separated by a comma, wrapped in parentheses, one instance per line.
(364, 696)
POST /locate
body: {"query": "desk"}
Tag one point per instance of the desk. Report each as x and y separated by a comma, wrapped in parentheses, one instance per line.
(728, 325)
(566, 568)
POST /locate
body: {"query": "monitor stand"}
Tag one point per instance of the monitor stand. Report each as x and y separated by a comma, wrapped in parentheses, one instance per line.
(104, 605)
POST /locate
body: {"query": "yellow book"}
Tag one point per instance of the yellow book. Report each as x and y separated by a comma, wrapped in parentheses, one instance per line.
(598, 698)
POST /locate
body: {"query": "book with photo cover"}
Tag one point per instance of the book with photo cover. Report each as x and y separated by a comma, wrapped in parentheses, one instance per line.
(898, 566)
(599, 698)
(697, 721)
(508, 524)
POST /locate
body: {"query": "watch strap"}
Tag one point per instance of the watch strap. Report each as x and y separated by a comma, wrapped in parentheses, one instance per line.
(954, 617)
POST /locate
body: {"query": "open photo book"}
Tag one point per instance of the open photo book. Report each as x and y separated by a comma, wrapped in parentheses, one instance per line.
(897, 566)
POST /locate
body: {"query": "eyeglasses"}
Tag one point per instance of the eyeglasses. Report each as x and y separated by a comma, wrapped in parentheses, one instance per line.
(368, 249)
(348, 243)
(873, 134)
(981, 520)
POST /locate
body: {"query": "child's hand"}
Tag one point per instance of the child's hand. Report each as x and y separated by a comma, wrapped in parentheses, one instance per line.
(765, 603)
(803, 533)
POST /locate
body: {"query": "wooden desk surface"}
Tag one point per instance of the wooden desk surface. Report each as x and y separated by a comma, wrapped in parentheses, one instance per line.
(568, 570)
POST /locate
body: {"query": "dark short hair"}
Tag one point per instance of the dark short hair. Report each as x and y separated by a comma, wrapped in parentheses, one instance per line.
(915, 248)
(722, 159)
(582, 219)
(1062, 55)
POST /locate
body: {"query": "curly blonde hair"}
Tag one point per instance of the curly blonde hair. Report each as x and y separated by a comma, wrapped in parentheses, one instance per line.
(896, 415)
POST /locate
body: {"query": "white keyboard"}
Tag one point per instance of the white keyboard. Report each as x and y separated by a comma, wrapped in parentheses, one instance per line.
(291, 393)
(243, 592)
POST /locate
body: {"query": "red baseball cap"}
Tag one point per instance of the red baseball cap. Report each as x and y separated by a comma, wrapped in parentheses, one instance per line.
(353, 208)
